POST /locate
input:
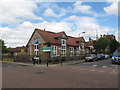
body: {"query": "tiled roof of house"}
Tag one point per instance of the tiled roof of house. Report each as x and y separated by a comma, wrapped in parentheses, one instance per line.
(89, 43)
(50, 36)
(109, 36)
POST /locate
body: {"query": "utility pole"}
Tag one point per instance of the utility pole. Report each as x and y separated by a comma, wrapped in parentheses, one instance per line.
(96, 35)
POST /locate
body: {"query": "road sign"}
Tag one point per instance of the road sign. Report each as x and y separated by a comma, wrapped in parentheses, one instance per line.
(46, 49)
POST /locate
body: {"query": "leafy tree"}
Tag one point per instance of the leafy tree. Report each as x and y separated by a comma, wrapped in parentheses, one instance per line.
(114, 44)
(101, 44)
(4, 48)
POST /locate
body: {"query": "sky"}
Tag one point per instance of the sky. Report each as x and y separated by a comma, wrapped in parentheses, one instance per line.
(19, 18)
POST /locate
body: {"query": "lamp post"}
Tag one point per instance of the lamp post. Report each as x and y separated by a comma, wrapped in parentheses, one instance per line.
(81, 33)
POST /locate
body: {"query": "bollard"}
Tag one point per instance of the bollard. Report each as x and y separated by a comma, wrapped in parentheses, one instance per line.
(47, 62)
(61, 62)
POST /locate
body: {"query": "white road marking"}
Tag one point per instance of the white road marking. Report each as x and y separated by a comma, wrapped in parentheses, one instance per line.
(101, 71)
(104, 66)
(95, 65)
(93, 70)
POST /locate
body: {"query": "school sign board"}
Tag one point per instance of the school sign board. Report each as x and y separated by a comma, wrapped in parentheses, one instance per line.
(46, 49)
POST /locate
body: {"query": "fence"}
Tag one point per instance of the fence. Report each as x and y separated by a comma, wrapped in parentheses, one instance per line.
(7, 58)
(42, 58)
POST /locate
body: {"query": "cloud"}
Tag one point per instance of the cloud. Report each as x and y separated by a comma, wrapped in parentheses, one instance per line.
(50, 13)
(85, 9)
(112, 9)
(14, 10)
(20, 35)
(87, 24)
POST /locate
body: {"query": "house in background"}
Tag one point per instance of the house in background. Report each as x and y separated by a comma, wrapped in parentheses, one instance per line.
(109, 36)
(45, 45)
(19, 51)
(90, 45)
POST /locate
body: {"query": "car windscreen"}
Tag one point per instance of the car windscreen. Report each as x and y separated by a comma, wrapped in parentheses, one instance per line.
(98, 55)
(116, 54)
(88, 55)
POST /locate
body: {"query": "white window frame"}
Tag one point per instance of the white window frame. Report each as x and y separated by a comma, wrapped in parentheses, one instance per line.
(54, 51)
(71, 51)
(82, 44)
(63, 50)
(36, 50)
(87, 50)
(77, 51)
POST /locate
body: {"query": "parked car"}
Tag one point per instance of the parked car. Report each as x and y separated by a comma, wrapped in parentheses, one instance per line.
(116, 58)
(90, 57)
(103, 56)
(106, 56)
(99, 56)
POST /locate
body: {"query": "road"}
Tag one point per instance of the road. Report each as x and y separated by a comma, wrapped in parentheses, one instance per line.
(99, 63)
(99, 74)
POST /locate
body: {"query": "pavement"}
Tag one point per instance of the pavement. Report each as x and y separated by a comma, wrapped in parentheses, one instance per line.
(50, 64)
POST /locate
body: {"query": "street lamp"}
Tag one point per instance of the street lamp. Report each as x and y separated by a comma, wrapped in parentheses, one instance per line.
(81, 33)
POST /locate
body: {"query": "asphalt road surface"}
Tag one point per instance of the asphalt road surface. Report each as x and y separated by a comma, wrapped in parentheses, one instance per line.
(99, 63)
(99, 74)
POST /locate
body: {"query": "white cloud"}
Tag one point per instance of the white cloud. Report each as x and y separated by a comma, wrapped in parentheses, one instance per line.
(13, 10)
(86, 9)
(89, 25)
(112, 9)
(19, 36)
(50, 13)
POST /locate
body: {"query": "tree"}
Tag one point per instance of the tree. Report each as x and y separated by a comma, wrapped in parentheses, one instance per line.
(101, 44)
(4, 48)
(114, 44)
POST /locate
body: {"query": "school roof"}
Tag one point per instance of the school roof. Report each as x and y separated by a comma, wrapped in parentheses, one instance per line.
(54, 38)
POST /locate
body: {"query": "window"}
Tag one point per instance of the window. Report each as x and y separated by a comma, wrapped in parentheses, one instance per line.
(82, 45)
(36, 48)
(77, 51)
(63, 47)
(54, 51)
(87, 50)
(71, 51)
(82, 48)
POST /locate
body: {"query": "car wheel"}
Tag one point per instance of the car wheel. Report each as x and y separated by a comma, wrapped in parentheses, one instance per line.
(85, 60)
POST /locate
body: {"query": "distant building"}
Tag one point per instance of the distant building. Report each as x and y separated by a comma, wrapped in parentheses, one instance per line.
(61, 45)
(90, 45)
(19, 51)
(109, 36)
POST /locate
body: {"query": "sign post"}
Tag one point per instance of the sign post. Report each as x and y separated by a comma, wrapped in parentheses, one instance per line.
(46, 49)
